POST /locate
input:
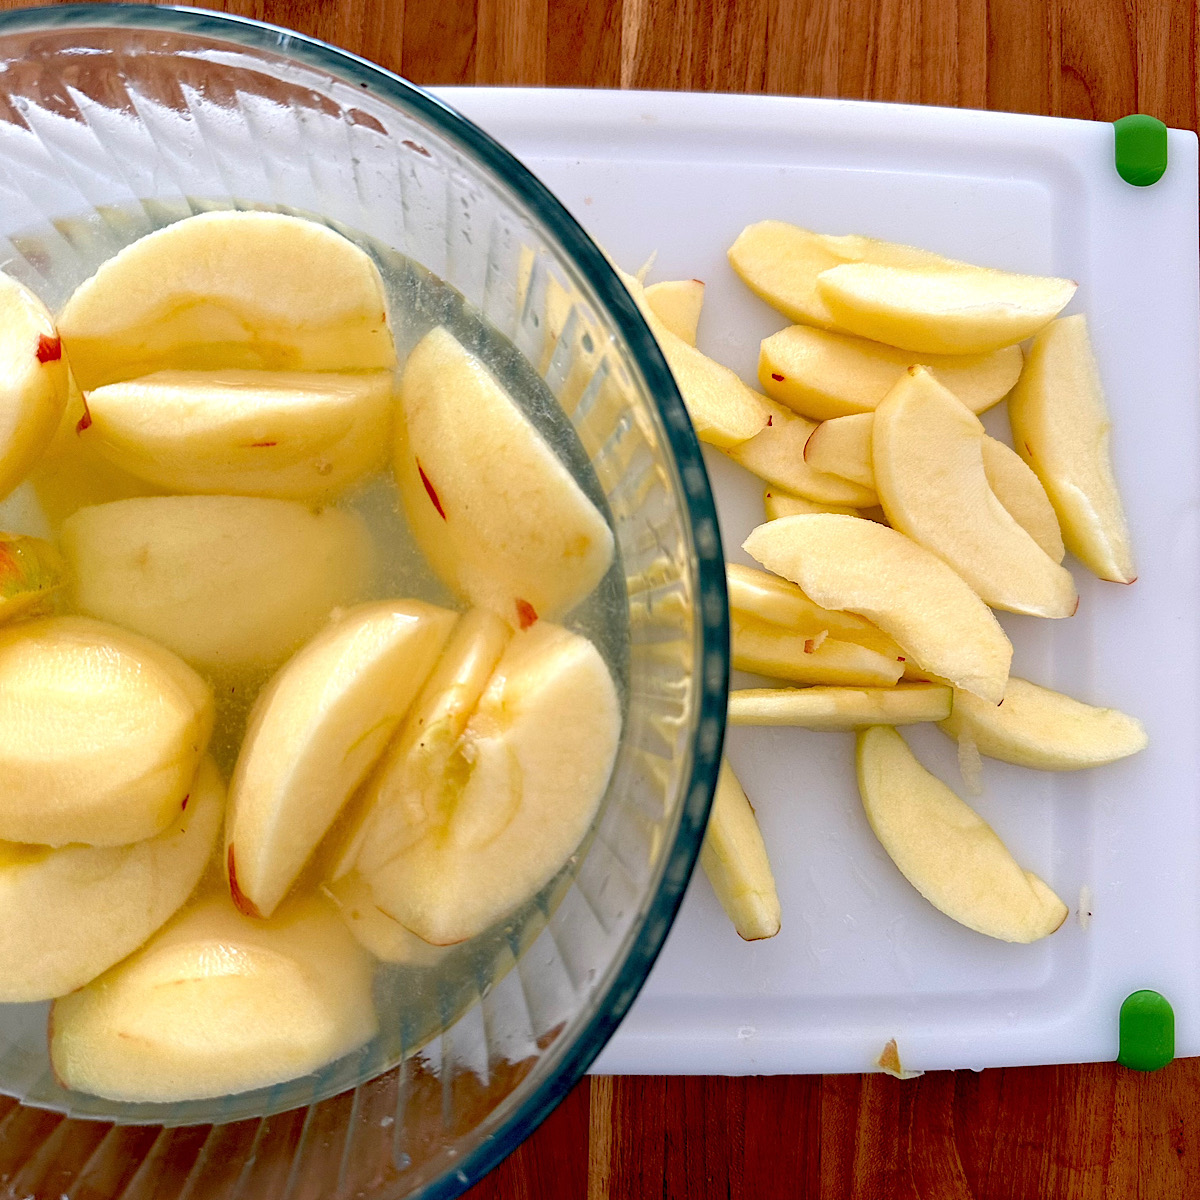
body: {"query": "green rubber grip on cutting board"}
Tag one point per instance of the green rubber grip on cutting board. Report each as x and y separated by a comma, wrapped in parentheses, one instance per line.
(1147, 1031)
(1140, 149)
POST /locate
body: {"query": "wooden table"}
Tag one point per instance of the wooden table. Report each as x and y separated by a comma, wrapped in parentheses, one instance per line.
(1035, 1134)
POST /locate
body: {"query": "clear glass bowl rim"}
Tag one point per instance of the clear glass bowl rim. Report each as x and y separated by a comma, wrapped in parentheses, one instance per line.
(691, 479)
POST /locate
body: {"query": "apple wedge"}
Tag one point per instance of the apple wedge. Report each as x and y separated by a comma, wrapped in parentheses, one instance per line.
(31, 571)
(1015, 485)
(781, 263)
(295, 435)
(677, 304)
(1060, 427)
(218, 1003)
(840, 708)
(910, 593)
(1036, 727)
(808, 657)
(928, 455)
(256, 290)
(70, 914)
(517, 794)
(317, 729)
(765, 597)
(101, 732)
(33, 381)
(734, 858)
(842, 447)
(224, 581)
(945, 849)
(374, 930)
(776, 455)
(724, 411)
(780, 503)
(823, 375)
(407, 791)
(499, 517)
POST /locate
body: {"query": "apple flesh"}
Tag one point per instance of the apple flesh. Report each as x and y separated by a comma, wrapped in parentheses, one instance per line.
(840, 708)
(677, 304)
(218, 1003)
(808, 658)
(101, 732)
(31, 571)
(317, 729)
(294, 435)
(842, 447)
(498, 516)
(824, 375)
(945, 849)
(776, 455)
(255, 290)
(70, 914)
(1061, 428)
(33, 381)
(928, 455)
(1040, 728)
(224, 581)
(734, 858)
(1021, 492)
(908, 592)
(516, 796)
(374, 930)
(780, 503)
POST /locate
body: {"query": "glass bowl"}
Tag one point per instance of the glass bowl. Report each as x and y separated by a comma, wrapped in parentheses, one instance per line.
(117, 120)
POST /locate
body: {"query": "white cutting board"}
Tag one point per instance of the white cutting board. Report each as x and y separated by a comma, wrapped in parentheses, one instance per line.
(861, 957)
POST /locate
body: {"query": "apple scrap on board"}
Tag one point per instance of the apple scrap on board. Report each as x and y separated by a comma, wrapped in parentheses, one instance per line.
(894, 525)
(189, 425)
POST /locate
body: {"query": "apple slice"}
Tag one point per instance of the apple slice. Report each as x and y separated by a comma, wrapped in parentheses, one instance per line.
(517, 794)
(101, 732)
(31, 571)
(954, 309)
(33, 381)
(295, 435)
(734, 858)
(781, 262)
(724, 411)
(218, 1003)
(780, 503)
(1036, 727)
(224, 581)
(928, 455)
(1060, 427)
(766, 597)
(776, 455)
(842, 446)
(808, 657)
(945, 849)
(911, 594)
(374, 930)
(69, 914)
(823, 375)
(833, 708)
(1021, 492)
(258, 290)
(406, 793)
(498, 515)
(317, 729)
(677, 304)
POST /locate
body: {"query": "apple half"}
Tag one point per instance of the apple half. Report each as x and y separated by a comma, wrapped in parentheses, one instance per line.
(218, 1003)
(910, 593)
(224, 581)
(256, 290)
(499, 517)
(1040, 728)
(945, 849)
(101, 732)
(68, 914)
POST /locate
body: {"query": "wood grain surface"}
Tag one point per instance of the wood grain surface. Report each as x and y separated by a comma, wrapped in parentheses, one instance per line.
(1056, 1133)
